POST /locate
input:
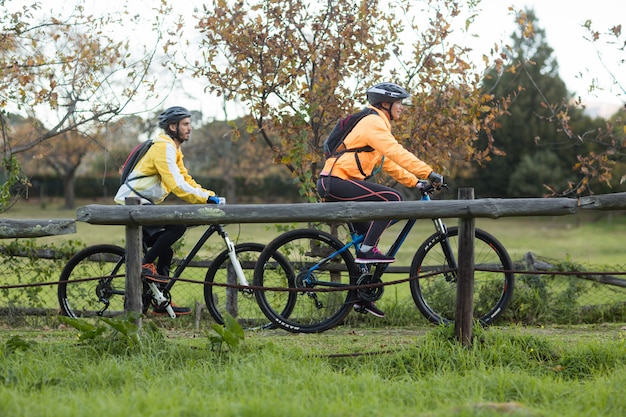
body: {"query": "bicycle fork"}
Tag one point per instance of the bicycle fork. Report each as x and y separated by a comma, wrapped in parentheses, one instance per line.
(234, 261)
(447, 250)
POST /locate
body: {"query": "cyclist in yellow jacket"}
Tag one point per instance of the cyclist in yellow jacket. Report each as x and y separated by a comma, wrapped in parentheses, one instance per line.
(370, 147)
(158, 173)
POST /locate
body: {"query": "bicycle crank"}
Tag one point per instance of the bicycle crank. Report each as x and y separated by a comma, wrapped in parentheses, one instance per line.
(371, 293)
(160, 299)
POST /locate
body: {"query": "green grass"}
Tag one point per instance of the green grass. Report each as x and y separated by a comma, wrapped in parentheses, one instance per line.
(585, 238)
(568, 371)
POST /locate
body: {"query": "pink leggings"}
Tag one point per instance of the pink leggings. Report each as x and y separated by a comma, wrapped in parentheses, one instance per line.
(333, 189)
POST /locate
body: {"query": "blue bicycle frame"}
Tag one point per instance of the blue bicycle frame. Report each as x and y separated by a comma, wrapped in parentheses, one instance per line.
(356, 239)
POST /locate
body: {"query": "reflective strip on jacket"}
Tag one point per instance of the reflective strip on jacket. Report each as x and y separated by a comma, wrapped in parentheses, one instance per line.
(161, 172)
(375, 131)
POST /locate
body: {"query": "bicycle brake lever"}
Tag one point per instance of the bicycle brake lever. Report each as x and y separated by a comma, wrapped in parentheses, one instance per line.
(443, 186)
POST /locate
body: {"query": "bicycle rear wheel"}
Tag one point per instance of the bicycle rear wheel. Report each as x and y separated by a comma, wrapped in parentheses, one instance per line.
(289, 298)
(80, 297)
(434, 292)
(238, 302)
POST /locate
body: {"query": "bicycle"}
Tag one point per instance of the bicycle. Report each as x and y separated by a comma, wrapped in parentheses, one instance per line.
(227, 276)
(319, 286)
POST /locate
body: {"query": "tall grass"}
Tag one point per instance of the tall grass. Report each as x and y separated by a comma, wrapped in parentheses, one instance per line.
(507, 371)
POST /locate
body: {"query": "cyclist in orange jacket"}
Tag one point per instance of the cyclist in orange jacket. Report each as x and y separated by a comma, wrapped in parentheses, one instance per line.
(370, 147)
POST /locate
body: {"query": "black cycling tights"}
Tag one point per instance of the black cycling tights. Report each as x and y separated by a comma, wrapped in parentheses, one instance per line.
(334, 189)
(161, 246)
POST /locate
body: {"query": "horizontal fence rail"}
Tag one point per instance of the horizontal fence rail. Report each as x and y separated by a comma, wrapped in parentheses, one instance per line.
(10, 228)
(342, 212)
(466, 209)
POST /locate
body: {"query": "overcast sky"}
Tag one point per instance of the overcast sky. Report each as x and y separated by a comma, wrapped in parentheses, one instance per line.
(562, 21)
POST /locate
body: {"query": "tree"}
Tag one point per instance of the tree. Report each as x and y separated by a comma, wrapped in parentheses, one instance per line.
(528, 134)
(450, 110)
(535, 170)
(589, 150)
(65, 153)
(609, 41)
(606, 154)
(300, 66)
(215, 151)
(66, 68)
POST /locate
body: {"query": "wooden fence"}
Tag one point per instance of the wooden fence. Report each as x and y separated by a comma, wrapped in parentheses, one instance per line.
(10, 228)
(133, 216)
(466, 209)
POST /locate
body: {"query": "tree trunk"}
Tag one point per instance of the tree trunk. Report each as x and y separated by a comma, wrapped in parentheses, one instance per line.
(69, 191)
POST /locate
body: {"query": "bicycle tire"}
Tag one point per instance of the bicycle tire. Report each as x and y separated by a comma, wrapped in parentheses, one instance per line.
(239, 303)
(434, 292)
(302, 311)
(80, 297)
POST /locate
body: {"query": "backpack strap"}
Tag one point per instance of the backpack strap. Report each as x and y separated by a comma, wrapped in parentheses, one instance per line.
(356, 151)
(358, 162)
(135, 191)
(365, 112)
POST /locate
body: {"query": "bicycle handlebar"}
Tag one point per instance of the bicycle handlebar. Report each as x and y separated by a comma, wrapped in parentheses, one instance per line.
(426, 187)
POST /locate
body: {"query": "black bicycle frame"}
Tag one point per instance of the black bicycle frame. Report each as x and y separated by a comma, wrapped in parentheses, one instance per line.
(194, 251)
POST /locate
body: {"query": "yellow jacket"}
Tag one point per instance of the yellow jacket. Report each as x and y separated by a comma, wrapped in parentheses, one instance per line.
(375, 131)
(160, 172)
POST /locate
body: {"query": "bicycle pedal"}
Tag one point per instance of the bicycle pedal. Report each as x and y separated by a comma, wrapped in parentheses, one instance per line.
(360, 309)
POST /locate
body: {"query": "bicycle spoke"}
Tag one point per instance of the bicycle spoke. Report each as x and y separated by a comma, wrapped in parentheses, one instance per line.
(435, 292)
(226, 298)
(79, 297)
(307, 296)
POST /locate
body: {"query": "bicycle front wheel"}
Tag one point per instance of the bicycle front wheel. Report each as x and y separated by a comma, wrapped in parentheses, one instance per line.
(221, 294)
(434, 290)
(93, 282)
(310, 294)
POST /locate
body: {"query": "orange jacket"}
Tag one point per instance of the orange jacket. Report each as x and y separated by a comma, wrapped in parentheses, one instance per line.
(375, 131)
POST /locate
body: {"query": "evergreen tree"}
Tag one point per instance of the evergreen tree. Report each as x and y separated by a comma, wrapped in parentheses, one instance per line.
(528, 135)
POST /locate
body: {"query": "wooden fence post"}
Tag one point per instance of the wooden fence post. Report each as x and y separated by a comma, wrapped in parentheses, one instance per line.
(133, 301)
(465, 281)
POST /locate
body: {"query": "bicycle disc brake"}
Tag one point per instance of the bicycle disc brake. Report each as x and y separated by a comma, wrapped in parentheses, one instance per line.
(371, 293)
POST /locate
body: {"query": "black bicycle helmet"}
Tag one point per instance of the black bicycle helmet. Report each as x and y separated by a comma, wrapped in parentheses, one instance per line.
(172, 115)
(386, 92)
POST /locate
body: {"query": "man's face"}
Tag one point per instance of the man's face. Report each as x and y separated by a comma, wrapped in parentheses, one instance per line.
(184, 129)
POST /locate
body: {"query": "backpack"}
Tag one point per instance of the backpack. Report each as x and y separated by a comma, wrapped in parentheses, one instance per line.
(343, 127)
(133, 158)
